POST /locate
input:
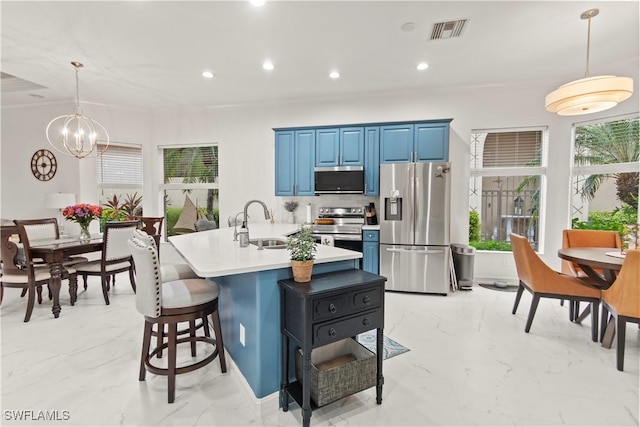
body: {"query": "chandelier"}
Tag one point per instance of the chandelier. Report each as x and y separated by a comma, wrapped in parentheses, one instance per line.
(590, 94)
(76, 134)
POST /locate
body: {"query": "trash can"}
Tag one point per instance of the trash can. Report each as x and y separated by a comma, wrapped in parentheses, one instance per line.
(463, 264)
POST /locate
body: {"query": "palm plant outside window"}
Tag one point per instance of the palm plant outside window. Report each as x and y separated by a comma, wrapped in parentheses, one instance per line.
(606, 174)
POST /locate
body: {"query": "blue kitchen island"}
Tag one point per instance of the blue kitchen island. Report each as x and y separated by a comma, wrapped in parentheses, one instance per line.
(249, 294)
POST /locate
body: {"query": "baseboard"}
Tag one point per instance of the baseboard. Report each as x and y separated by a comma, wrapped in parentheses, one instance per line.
(266, 405)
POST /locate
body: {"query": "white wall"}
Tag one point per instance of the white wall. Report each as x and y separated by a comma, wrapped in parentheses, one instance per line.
(246, 149)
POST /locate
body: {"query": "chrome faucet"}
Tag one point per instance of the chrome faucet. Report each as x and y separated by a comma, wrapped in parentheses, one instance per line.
(266, 211)
(235, 227)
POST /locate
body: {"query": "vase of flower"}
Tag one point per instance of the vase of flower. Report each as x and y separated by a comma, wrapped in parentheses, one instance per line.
(83, 214)
(84, 232)
(290, 206)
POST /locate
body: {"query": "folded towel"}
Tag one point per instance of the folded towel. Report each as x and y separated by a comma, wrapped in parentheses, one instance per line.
(326, 239)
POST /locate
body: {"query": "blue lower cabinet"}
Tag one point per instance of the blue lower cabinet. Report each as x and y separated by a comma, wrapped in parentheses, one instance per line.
(371, 251)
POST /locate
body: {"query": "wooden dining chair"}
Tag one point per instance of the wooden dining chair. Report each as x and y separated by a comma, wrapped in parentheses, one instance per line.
(170, 303)
(543, 282)
(115, 257)
(152, 225)
(46, 229)
(23, 274)
(622, 302)
(581, 239)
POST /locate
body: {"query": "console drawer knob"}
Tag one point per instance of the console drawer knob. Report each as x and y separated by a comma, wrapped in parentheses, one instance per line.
(332, 308)
(332, 332)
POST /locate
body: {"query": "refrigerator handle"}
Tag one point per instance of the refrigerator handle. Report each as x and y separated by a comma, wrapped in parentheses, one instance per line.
(426, 251)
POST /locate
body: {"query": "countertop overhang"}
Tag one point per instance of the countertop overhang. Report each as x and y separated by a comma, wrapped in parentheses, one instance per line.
(213, 253)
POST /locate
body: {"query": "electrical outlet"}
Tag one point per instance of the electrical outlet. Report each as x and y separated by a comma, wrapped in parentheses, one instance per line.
(242, 334)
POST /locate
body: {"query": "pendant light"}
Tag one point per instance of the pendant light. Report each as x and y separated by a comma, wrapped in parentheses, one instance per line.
(76, 134)
(590, 94)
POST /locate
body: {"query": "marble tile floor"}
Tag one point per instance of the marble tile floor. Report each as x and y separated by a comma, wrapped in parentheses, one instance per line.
(470, 363)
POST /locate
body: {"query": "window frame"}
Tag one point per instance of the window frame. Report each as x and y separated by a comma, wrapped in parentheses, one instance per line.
(477, 173)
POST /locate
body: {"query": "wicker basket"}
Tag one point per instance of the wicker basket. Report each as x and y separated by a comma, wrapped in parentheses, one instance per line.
(346, 367)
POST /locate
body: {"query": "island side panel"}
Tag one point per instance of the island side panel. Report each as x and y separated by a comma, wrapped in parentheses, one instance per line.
(253, 299)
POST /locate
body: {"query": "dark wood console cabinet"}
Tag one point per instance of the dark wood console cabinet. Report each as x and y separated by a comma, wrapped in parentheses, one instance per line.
(330, 307)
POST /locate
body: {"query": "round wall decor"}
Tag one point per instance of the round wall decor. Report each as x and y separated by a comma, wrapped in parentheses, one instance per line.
(43, 165)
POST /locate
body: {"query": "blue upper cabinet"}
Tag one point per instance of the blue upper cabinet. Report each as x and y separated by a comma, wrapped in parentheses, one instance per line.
(284, 163)
(396, 143)
(299, 150)
(432, 142)
(372, 161)
(305, 158)
(295, 157)
(351, 146)
(417, 142)
(327, 147)
(340, 147)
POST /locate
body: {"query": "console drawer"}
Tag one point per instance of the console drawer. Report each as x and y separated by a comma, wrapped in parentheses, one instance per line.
(368, 298)
(327, 308)
(329, 332)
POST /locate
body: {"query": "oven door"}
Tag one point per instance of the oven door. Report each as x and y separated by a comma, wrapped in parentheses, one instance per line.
(352, 242)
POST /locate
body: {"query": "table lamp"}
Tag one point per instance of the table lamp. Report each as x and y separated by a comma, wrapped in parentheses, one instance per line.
(59, 201)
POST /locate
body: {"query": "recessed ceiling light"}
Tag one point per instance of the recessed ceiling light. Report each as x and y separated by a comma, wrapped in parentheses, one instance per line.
(408, 26)
(207, 74)
(257, 3)
(422, 66)
(267, 65)
(334, 74)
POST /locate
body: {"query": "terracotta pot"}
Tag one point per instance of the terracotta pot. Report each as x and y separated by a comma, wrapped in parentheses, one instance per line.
(302, 270)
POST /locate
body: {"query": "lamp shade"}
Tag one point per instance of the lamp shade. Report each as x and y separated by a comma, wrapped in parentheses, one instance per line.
(589, 95)
(59, 200)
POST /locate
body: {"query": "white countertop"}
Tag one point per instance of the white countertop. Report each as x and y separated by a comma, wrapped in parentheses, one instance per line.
(213, 253)
(371, 227)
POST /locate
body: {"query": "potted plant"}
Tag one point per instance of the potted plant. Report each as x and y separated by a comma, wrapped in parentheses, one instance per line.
(302, 246)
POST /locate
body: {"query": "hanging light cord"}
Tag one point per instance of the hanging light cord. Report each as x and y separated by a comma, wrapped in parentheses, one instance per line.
(78, 108)
(588, 45)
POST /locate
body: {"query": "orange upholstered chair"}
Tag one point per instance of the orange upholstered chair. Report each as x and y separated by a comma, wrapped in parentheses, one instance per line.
(587, 238)
(583, 239)
(622, 300)
(542, 281)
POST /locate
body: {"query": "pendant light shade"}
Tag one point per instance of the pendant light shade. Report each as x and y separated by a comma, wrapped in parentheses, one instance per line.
(590, 94)
(76, 134)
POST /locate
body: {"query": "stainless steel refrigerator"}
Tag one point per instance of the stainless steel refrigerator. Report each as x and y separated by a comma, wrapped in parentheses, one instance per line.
(414, 226)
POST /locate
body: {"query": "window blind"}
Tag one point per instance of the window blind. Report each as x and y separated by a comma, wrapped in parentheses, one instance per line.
(512, 149)
(120, 166)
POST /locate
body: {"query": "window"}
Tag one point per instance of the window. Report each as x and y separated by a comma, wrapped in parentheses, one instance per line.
(604, 183)
(190, 186)
(119, 171)
(508, 168)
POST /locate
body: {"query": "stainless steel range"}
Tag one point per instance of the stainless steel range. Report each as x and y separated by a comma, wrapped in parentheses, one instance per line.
(345, 226)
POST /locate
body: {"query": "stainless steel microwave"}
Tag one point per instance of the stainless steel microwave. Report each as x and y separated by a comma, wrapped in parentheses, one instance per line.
(339, 180)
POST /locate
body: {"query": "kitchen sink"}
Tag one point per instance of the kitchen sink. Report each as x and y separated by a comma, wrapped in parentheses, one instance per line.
(271, 243)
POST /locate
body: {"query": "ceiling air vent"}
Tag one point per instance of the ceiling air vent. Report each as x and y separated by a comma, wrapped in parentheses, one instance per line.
(446, 30)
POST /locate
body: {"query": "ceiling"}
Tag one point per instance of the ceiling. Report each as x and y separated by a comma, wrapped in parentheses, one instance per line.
(150, 54)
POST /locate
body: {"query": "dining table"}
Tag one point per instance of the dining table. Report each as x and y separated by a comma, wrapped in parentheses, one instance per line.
(610, 261)
(54, 251)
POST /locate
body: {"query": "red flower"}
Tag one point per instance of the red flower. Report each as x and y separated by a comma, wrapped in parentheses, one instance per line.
(82, 213)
